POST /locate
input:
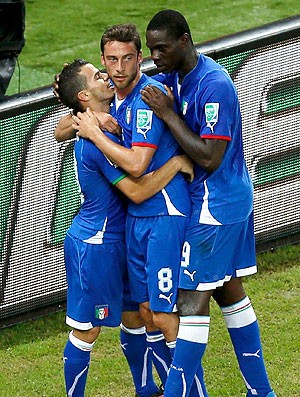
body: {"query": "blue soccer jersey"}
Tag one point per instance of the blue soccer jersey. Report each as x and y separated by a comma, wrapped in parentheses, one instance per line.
(101, 217)
(141, 127)
(208, 103)
(94, 247)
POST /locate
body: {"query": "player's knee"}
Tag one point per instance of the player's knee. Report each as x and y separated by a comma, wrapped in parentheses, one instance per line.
(132, 319)
(146, 316)
(88, 336)
(167, 323)
(159, 320)
(193, 303)
(231, 293)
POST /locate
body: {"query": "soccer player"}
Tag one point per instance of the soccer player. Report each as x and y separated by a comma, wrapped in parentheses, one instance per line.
(219, 246)
(95, 253)
(155, 229)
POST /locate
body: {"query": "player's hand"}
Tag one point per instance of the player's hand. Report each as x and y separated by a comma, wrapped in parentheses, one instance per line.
(108, 123)
(86, 124)
(169, 93)
(55, 84)
(159, 102)
(187, 167)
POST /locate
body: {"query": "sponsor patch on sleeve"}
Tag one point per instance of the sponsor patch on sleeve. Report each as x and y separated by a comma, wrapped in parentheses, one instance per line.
(144, 121)
(211, 115)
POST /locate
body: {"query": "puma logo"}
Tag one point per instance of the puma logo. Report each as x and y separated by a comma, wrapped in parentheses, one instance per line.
(252, 354)
(123, 346)
(191, 275)
(168, 298)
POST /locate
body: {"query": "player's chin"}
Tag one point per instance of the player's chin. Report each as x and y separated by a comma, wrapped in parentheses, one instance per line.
(121, 84)
(163, 69)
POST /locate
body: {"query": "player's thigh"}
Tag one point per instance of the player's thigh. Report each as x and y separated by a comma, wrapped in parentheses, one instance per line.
(137, 233)
(95, 282)
(163, 261)
(212, 255)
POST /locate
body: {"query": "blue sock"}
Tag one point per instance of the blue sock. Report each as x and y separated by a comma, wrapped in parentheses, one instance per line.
(197, 388)
(244, 333)
(161, 355)
(76, 365)
(190, 347)
(134, 346)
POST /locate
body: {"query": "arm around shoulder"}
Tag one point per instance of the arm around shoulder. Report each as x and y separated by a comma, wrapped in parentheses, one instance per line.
(64, 129)
(146, 186)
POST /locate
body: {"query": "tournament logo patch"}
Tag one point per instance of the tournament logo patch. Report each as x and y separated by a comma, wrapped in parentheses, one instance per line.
(101, 312)
(184, 107)
(211, 115)
(144, 121)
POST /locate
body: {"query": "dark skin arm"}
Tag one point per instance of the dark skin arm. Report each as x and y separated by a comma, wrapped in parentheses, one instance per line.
(208, 153)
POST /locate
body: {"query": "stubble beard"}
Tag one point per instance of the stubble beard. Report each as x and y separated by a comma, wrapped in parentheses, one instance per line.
(126, 83)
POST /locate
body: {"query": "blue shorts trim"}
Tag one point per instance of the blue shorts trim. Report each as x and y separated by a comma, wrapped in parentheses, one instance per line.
(212, 255)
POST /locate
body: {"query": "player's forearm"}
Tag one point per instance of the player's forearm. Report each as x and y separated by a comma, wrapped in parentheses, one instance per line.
(148, 185)
(203, 152)
(134, 160)
(125, 158)
(64, 129)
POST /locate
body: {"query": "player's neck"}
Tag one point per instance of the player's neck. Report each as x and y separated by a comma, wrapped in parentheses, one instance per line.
(190, 61)
(103, 106)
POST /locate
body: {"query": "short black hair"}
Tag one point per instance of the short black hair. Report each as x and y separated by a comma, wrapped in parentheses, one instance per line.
(172, 21)
(124, 33)
(70, 83)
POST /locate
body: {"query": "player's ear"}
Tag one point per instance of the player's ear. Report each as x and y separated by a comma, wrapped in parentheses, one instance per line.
(185, 38)
(83, 95)
(102, 60)
(140, 57)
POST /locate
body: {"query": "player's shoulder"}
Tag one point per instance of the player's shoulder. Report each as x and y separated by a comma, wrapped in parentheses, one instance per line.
(89, 150)
(216, 79)
(148, 80)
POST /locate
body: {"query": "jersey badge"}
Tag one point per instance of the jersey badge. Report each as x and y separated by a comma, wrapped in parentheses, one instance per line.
(211, 115)
(184, 107)
(101, 312)
(144, 121)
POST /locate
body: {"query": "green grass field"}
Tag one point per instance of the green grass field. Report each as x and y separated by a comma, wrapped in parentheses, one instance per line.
(58, 31)
(30, 354)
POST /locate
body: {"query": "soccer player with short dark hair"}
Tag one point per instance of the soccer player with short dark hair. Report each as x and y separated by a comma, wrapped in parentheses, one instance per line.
(219, 246)
(95, 252)
(155, 229)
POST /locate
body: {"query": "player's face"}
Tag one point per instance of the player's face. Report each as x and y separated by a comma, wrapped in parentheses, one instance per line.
(166, 51)
(122, 62)
(98, 83)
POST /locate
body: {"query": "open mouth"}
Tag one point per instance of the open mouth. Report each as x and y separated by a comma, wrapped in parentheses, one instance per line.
(110, 84)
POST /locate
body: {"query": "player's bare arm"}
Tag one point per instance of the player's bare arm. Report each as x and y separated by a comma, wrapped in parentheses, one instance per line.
(207, 153)
(140, 189)
(134, 160)
(65, 131)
